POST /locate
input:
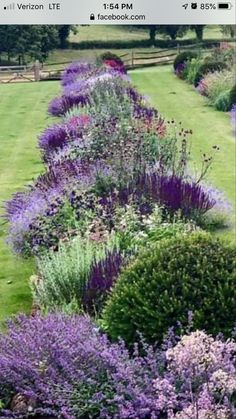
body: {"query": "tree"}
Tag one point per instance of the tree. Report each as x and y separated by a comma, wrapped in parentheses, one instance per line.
(152, 33)
(28, 41)
(173, 31)
(199, 29)
(64, 32)
(228, 30)
(150, 28)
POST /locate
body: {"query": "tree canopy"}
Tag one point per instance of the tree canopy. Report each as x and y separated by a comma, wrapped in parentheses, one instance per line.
(32, 41)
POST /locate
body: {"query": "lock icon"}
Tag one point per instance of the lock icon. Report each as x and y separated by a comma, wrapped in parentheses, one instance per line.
(92, 17)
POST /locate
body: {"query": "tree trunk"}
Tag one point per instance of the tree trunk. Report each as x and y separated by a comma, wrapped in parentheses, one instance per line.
(199, 33)
(153, 35)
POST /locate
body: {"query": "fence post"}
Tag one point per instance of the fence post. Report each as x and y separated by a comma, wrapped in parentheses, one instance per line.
(132, 59)
(178, 46)
(37, 71)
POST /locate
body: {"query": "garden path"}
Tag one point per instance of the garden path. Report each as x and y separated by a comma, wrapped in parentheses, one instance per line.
(174, 98)
(23, 110)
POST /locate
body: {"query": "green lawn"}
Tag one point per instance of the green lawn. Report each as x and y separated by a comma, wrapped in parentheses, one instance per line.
(129, 33)
(109, 33)
(22, 116)
(175, 98)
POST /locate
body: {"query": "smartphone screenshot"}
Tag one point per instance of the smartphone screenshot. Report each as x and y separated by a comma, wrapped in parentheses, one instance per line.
(117, 209)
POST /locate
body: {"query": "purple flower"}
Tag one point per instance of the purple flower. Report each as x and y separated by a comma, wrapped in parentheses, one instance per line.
(61, 135)
(202, 87)
(174, 193)
(55, 106)
(63, 366)
(66, 365)
(75, 71)
(180, 69)
(233, 115)
(44, 198)
(101, 278)
(59, 106)
(145, 112)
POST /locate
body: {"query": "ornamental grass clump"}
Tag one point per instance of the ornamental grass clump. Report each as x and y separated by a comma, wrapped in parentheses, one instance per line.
(209, 66)
(216, 86)
(62, 366)
(80, 271)
(195, 272)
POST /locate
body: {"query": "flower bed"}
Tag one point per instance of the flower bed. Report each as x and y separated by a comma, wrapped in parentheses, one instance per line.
(63, 366)
(117, 180)
(98, 156)
(213, 75)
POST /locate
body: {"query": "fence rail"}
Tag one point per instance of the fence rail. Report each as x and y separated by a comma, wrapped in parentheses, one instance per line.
(18, 73)
(53, 71)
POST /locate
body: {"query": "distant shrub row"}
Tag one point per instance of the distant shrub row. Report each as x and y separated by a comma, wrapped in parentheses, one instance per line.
(142, 43)
(212, 75)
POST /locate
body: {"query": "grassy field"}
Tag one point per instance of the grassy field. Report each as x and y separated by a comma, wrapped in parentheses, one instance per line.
(22, 116)
(129, 33)
(175, 98)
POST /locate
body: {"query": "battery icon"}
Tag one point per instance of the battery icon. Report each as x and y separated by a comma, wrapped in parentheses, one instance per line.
(224, 6)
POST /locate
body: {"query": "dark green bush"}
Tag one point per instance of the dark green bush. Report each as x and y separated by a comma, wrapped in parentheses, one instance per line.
(183, 57)
(232, 96)
(209, 67)
(110, 56)
(138, 43)
(194, 273)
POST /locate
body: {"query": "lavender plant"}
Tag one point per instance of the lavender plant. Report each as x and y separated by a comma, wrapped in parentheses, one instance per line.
(59, 136)
(63, 366)
(75, 71)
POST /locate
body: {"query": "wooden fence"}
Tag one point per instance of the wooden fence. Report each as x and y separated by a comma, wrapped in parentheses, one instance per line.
(53, 71)
(131, 59)
(20, 73)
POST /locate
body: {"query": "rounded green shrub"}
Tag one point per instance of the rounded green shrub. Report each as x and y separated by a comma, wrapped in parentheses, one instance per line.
(183, 57)
(209, 67)
(110, 56)
(195, 273)
(222, 102)
(232, 96)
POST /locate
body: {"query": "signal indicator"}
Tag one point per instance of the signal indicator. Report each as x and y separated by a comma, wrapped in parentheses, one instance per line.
(9, 6)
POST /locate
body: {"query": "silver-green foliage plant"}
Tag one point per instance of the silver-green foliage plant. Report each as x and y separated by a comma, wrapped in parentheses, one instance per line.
(192, 68)
(63, 274)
